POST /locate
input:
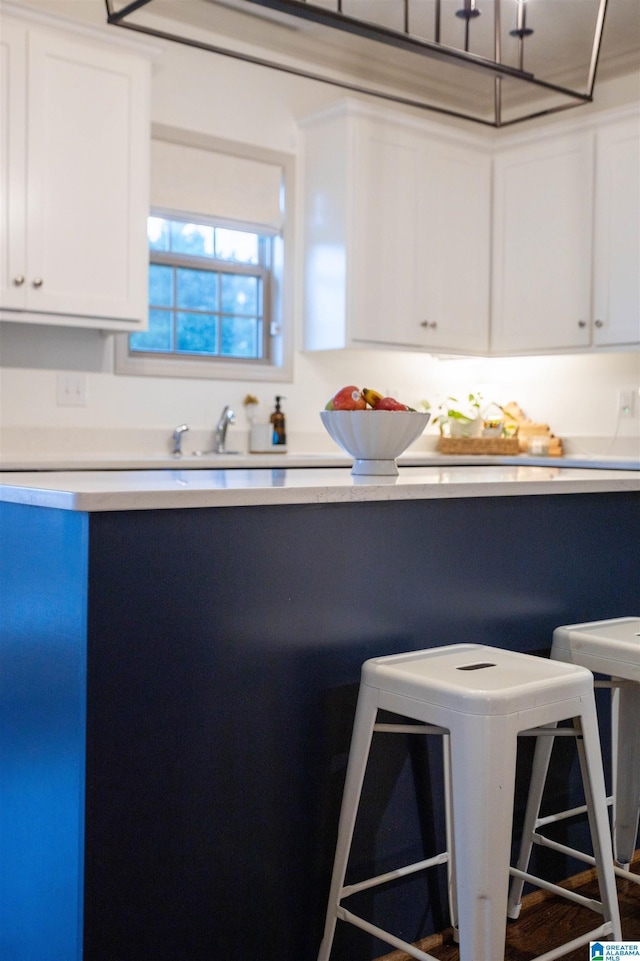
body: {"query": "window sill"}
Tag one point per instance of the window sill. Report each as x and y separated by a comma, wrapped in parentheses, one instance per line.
(145, 366)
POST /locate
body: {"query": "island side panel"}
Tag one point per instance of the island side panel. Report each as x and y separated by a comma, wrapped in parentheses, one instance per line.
(225, 647)
(43, 606)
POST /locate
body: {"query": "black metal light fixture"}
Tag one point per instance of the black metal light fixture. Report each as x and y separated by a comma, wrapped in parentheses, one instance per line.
(521, 31)
(419, 60)
(467, 13)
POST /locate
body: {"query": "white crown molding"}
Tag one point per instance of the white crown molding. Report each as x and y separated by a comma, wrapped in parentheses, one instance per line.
(153, 50)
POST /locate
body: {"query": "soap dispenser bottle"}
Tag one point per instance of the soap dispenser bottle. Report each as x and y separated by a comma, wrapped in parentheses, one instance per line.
(278, 422)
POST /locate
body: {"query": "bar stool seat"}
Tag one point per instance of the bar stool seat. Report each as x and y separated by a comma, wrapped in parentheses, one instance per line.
(611, 648)
(480, 699)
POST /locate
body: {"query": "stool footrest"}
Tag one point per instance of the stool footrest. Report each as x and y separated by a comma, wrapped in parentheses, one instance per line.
(581, 856)
(590, 903)
(414, 952)
(594, 935)
(402, 872)
(563, 849)
(410, 949)
(563, 815)
(624, 873)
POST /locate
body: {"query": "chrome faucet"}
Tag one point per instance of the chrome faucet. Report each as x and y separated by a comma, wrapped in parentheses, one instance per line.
(177, 439)
(226, 417)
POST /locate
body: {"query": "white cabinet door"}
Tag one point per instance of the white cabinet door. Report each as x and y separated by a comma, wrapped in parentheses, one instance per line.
(392, 217)
(13, 164)
(77, 118)
(359, 233)
(327, 218)
(543, 246)
(617, 235)
(385, 225)
(453, 248)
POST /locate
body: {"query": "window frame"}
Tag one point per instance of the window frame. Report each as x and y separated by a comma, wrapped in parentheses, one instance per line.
(262, 270)
(278, 366)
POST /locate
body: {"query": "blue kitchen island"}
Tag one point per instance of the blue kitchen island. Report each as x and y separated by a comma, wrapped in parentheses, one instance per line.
(179, 662)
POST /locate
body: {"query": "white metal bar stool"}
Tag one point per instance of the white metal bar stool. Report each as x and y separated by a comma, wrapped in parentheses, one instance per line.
(483, 698)
(611, 648)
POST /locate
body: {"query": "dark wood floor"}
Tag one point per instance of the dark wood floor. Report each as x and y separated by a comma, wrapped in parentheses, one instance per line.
(546, 921)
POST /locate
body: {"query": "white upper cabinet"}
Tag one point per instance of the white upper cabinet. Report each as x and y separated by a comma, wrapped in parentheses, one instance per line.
(454, 247)
(616, 274)
(383, 232)
(543, 245)
(74, 175)
(392, 214)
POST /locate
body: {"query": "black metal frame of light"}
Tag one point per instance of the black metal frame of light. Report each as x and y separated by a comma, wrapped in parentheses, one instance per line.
(402, 40)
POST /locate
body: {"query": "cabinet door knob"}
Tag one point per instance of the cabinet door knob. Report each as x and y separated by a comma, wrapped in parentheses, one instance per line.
(599, 323)
(582, 323)
(432, 325)
(38, 281)
(19, 280)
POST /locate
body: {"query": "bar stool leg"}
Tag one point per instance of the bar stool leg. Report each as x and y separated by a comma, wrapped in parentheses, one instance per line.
(590, 758)
(366, 713)
(449, 837)
(483, 766)
(539, 770)
(626, 793)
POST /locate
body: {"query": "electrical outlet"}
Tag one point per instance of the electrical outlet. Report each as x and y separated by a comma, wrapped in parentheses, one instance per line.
(626, 405)
(71, 390)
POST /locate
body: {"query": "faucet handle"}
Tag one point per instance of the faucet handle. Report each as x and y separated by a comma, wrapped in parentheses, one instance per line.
(177, 438)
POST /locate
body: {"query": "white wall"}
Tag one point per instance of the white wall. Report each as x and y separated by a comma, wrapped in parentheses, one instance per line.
(226, 98)
(576, 395)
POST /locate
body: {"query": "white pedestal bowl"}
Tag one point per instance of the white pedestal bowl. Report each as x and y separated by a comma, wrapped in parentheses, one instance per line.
(374, 438)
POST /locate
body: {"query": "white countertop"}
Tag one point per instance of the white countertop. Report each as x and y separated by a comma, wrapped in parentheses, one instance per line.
(113, 490)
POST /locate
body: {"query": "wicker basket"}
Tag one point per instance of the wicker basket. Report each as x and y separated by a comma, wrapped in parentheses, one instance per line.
(478, 445)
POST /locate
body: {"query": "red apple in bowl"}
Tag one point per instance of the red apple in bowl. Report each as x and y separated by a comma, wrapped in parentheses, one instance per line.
(390, 403)
(347, 398)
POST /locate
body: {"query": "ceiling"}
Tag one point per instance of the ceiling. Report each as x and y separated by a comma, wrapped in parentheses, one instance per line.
(558, 52)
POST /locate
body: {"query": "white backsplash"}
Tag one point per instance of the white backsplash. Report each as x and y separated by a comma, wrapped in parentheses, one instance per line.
(575, 395)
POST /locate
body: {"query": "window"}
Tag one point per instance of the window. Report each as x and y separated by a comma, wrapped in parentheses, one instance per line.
(209, 292)
(220, 286)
